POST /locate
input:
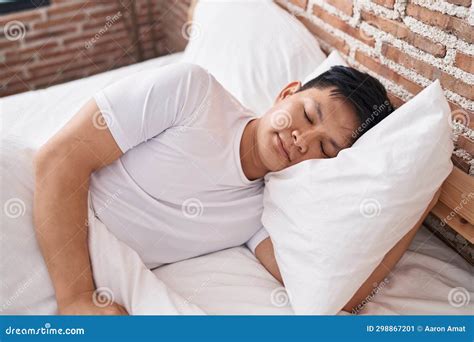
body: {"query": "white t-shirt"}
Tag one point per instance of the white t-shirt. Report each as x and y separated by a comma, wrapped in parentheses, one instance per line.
(179, 190)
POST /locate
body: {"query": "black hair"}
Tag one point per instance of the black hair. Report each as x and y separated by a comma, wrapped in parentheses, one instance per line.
(366, 94)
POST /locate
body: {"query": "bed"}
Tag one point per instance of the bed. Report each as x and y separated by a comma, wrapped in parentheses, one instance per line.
(232, 281)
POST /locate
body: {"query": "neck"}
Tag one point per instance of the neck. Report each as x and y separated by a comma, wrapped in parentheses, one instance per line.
(251, 162)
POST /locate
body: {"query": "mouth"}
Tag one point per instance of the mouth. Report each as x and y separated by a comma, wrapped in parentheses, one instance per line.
(281, 148)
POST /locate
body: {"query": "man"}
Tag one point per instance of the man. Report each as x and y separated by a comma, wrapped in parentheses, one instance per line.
(174, 166)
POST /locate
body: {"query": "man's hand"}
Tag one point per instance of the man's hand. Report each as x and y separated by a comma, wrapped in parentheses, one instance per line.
(83, 304)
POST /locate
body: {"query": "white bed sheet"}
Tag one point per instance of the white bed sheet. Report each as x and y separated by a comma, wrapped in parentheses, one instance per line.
(430, 278)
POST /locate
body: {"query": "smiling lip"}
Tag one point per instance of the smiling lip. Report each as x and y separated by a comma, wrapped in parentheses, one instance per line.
(281, 148)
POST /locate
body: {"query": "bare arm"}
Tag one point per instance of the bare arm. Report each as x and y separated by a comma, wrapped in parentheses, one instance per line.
(62, 168)
(389, 261)
(265, 254)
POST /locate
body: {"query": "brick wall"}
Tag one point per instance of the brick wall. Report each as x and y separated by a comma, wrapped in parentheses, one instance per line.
(405, 44)
(71, 39)
(177, 24)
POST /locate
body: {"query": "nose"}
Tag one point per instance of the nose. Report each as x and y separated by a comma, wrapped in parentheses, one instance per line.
(301, 139)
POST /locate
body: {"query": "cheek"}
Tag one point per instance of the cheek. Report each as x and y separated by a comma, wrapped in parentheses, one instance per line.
(264, 136)
(314, 154)
(268, 156)
(281, 117)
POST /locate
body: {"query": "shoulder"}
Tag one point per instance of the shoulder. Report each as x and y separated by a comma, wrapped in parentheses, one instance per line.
(192, 68)
(183, 79)
(188, 70)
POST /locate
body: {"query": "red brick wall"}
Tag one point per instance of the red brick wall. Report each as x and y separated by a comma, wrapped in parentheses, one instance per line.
(405, 44)
(71, 39)
(175, 19)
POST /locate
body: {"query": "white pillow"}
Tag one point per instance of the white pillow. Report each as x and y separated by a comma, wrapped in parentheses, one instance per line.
(253, 48)
(334, 58)
(333, 220)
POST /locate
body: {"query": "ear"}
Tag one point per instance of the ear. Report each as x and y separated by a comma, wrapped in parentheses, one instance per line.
(290, 89)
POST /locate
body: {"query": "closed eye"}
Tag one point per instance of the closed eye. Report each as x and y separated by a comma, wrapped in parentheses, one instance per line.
(322, 149)
(307, 117)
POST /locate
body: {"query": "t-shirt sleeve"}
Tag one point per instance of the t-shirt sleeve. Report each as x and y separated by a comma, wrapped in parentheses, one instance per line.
(142, 105)
(255, 240)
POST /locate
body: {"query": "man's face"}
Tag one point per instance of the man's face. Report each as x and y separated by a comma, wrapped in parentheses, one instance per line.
(310, 124)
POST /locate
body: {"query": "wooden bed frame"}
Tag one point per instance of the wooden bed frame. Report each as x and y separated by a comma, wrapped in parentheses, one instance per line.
(455, 207)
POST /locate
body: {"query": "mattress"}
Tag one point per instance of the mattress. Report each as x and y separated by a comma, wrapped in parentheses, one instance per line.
(429, 279)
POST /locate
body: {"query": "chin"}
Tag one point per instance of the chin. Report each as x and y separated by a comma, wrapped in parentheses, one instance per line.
(270, 163)
(275, 166)
(279, 168)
